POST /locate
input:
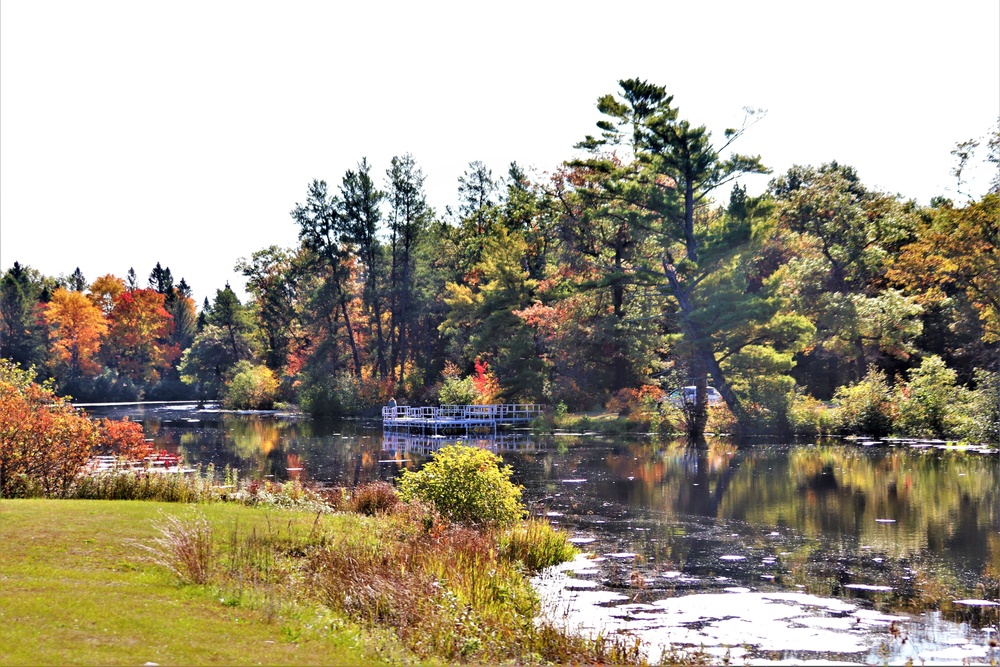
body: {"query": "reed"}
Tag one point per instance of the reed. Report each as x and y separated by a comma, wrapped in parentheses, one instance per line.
(185, 546)
(536, 545)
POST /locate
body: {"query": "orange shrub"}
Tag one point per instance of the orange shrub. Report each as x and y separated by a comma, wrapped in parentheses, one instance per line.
(123, 438)
(634, 399)
(44, 441)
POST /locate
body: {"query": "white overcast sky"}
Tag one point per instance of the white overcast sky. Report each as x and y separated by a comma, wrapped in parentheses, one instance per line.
(184, 132)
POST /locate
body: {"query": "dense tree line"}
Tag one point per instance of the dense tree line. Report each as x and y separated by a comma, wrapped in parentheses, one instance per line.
(641, 264)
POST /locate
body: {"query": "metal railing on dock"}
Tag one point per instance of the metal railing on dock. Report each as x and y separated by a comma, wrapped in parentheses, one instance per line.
(397, 443)
(458, 418)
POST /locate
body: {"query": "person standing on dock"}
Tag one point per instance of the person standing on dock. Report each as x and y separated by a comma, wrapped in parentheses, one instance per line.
(392, 407)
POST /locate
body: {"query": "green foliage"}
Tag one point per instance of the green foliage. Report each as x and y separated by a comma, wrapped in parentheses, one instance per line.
(536, 545)
(984, 409)
(466, 485)
(808, 416)
(760, 377)
(252, 388)
(228, 337)
(21, 333)
(458, 391)
(931, 403)
(865, 408)
(341, 395)
(326, 396)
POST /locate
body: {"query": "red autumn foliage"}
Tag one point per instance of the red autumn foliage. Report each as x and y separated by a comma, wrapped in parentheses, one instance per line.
(486, 383)
(123, 438)
(138, 338)
(44, 441)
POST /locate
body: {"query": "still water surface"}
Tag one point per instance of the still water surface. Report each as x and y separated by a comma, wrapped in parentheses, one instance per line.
(766, 551)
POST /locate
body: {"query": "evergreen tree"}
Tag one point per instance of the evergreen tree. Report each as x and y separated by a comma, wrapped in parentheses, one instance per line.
(76, 281)
(409, 217)
(22, 337)
(360, 200)
(667, 187)
(227, 338)
(323, 232)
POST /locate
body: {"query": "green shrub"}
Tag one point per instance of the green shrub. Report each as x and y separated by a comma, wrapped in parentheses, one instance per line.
(808, 416)
(536, 545)
(252, 388)
(931, 404)
(466, 485)
(865, 407)
(458, 391)
(984, 409)
(329, 396)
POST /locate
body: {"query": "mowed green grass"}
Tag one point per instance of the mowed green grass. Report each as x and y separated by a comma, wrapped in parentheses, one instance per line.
(75, 589)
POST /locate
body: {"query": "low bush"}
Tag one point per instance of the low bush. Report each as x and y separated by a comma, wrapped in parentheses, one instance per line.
(466, 485)
(44, 441)
(865, 408)
(931, 403)
(809, 416)
(446, 591)
(535, 544)
(252, 388)
(374, 498)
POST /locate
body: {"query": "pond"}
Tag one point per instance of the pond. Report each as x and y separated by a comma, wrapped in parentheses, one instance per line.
(763, 551)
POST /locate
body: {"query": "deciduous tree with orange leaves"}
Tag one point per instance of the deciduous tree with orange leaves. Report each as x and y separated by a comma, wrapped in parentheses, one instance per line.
(138, 337)
(76, 327)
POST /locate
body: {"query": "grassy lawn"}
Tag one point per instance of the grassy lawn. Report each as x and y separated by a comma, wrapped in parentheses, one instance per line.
(74, 589)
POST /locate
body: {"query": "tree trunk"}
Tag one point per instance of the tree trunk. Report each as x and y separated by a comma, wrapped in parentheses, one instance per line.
(703, 361)
(350, 337)
(383, 371)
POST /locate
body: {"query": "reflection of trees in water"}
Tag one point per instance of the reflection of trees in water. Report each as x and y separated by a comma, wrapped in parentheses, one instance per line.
(938, 501)
(942, 503)
(262, 446)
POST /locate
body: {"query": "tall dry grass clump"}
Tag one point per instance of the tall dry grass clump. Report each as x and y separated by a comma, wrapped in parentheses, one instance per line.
(448, 590)
(185, 546)
(374, 498)
(444, 591)
(144, 485)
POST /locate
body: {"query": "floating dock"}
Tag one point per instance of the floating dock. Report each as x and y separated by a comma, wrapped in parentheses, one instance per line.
(458, 419)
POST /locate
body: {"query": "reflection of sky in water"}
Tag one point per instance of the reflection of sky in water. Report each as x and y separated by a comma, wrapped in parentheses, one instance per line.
(751, 627)
(837, 519)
